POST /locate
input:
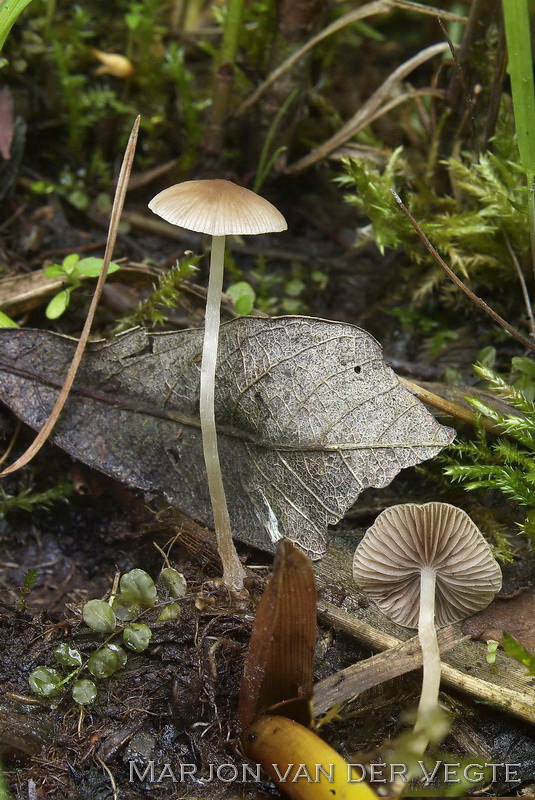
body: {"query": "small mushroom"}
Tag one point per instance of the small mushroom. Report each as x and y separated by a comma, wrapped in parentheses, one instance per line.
(426, 565)
(219, 208)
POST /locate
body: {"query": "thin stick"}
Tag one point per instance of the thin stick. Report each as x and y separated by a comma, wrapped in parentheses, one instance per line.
(369, 109)
(448, 407)
(376, 7)
(523, 285)
(11, 444)
(61, 399)
(458, 282)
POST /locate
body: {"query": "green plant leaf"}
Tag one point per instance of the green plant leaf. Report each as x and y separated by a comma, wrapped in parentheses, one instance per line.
(243, 295)
(7, 322)
(92, 267)
(137, 636)
(104, 662)
(9, 12)
(70, 262)
(59, 304)
(45, 681)
(99, 616)
(84, 691)
(55, 271)
(68, 656)
(524, 365)
(138, 587)
(174, 582)
(516, 650)
(124, 609)
(172, 611)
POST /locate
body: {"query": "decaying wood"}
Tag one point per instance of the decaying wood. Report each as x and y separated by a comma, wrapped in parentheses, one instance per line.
(464, 668)
(394, 661)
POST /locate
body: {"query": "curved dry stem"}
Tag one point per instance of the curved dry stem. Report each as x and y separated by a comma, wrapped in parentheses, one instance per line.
(368, 110)
(233, 571)
(64, 392)
(457, 281)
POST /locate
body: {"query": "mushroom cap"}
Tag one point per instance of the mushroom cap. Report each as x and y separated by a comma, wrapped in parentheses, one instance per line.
(217, 207)
(408, 538)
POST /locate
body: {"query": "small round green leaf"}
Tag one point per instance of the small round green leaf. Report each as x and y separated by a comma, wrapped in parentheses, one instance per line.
(243, 295)
(124, 609)
(68, 656)
(174, 582)
(84, 691)
(172, 611)
(294, 287)
(45, 681)
(79, 199)
(104, 662)
(137, 586)
(99, 616)
(137, 636)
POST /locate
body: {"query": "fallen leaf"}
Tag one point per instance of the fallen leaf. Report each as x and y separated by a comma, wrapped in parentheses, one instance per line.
(308, 414)
(278, 667)
(514, 616)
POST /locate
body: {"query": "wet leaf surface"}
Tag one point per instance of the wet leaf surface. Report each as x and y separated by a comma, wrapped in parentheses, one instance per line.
(308, 412)
(514, 616)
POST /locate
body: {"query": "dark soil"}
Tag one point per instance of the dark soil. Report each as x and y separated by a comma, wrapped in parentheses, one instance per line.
(175, 705)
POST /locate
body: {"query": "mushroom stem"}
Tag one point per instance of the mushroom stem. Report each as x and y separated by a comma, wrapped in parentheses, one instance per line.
(233, 571)
(431, 658)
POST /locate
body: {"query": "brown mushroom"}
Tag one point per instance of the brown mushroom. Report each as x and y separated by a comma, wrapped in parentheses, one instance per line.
(219, 208)
(426, 565)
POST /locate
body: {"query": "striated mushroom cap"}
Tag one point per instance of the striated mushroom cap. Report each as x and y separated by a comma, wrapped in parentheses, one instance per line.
(217, 207)
(407, 538)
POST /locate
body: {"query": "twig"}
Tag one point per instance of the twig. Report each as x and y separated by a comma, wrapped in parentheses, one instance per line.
(357, 678)
(447, 407)
(377, 7)
(61, 399)
(523, 285)
(508, 699)
(12, 442)
(458, 282)
(371, 108)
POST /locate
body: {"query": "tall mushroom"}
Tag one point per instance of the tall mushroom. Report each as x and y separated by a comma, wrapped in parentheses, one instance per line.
(219, 208)
(426, 565)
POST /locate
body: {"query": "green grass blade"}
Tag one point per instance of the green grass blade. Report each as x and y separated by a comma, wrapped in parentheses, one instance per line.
(9, 12)
(518, 36)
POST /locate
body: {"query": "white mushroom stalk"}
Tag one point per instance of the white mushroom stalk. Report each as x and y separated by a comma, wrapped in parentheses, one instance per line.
(233, 571)
(426, 566)
(427, 634)
(219, 208)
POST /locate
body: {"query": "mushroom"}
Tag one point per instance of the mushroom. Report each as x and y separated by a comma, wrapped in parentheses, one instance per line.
(219, 208)
(426, 565)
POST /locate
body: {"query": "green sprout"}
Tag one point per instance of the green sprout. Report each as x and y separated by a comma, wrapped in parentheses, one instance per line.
(492, 646)
(72, 270)
(243, 295)
(137, 595)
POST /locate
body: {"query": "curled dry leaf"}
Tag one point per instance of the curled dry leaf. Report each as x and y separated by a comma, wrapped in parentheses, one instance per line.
(308, 414)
